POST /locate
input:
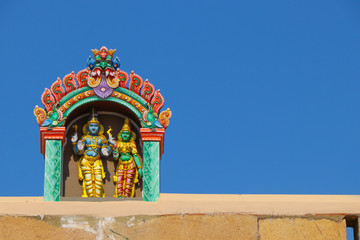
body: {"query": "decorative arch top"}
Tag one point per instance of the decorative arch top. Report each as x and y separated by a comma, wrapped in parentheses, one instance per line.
(102, 80)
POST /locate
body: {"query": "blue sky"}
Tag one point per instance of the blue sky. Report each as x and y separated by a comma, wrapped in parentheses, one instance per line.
(264, 94)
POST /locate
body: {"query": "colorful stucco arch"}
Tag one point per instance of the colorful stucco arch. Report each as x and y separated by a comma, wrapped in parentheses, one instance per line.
(102, 84)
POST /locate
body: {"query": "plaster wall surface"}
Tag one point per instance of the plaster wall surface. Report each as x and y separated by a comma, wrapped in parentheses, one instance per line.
(182, 216)
(287, 205)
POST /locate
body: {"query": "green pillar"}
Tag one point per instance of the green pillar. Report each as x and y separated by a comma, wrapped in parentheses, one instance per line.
(151, 190)
(52, 170)
(51, 141)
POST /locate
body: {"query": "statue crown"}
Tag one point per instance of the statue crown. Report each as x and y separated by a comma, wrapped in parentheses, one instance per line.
(103, 52)
(126, 126)
(93, 117)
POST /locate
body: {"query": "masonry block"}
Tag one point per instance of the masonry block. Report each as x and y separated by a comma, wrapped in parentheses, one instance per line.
(301, 229)
(169, 227)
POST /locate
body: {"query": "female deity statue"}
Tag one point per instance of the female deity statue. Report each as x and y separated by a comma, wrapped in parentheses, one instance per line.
(128, 169)
(92, 145)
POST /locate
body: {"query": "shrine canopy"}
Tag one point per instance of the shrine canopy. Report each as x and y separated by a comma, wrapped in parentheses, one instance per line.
(102, 81)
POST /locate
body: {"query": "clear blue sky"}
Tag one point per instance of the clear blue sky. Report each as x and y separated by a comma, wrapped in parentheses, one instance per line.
(264, 94)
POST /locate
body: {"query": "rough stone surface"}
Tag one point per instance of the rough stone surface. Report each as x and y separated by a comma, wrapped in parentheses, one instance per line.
(301, 229)
(188, 226)
(194, 227)
(239, 227)
(15, 228)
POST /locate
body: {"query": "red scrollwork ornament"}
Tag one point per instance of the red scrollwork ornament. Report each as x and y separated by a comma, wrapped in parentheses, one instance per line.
(148, 91)
(158, 101)
(123, 77)
(69, 82)
(81, 77)
(47, 99)
(135, 83)
(57, 90)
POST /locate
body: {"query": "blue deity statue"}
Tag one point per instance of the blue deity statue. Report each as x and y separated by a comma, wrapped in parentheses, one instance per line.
(92, 146)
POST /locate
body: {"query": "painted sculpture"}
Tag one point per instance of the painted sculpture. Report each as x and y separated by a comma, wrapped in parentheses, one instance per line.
(102, 79)
(128, 170)
(92, 146)
(100, 82)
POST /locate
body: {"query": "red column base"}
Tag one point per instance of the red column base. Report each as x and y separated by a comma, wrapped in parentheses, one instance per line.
(153, 135)
(57, 133)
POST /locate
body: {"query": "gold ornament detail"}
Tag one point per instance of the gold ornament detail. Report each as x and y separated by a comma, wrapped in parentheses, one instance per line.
(111, 52)
(164, 118)
(126, 127)
(92, 82)
(113, 82)
(95, 51)
(40, 114)
(109, 131)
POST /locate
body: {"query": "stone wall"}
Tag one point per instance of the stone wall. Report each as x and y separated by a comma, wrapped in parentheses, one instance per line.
(214, 226)
(177, 216)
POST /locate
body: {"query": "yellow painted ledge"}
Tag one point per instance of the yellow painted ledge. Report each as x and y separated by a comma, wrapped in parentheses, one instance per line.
(283, 205)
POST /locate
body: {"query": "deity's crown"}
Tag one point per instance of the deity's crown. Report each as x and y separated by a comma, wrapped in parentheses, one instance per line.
(103, 52)
(93, 117)
(126, 126)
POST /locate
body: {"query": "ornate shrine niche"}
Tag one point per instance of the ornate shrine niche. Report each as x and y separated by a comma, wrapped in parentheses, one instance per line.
(102, 133)
(109, 114)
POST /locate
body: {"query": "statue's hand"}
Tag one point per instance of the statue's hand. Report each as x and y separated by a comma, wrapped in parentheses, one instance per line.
(80, 145)
(74, 138)
(115, 153)
(140, 172)
(105, 151)
(111, 140)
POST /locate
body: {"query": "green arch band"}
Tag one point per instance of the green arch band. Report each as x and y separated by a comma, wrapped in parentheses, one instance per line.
(110, 99)
(124, 91)
(73, 94)
(133, 95)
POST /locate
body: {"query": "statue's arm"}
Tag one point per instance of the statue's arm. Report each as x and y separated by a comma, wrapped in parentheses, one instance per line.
(78, 146)
(105, 147)
(109, 148)
(116, 154)
(136, 159)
